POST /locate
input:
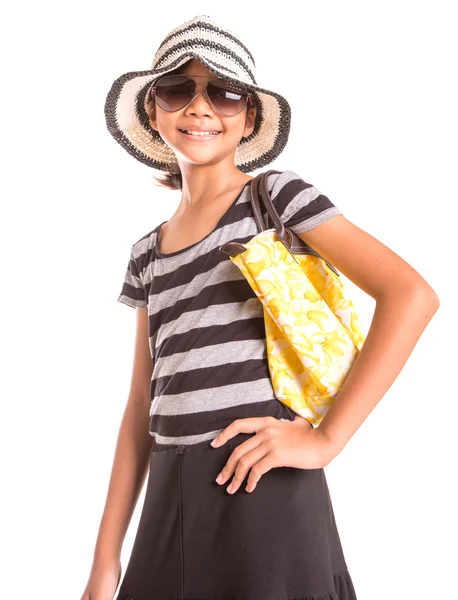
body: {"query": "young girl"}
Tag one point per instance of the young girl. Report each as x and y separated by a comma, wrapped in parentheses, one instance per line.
(201, 402)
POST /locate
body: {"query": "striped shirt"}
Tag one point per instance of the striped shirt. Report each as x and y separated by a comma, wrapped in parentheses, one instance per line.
(206, 325)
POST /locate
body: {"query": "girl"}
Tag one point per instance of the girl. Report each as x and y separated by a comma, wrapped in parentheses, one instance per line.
(237, 505)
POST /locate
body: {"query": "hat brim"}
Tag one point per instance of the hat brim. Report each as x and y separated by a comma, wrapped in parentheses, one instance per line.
(128, 122)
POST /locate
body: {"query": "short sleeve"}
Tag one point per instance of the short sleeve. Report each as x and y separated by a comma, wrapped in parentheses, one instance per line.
(300, 205)
(133, 291)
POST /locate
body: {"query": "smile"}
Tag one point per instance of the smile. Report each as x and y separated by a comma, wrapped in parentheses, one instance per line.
(199, 135)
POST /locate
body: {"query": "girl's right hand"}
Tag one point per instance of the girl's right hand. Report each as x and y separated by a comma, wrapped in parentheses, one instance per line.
(103, 580)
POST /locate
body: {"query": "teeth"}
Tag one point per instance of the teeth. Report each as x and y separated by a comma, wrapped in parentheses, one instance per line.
(201, 133)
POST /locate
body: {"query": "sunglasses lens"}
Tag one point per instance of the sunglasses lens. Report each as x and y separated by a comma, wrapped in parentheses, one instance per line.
(174, 91)
(227, 98)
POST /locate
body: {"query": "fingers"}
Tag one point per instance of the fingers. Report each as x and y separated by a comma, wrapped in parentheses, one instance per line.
(240, 462)
(249, 454)
(258, 471)
(248, 425)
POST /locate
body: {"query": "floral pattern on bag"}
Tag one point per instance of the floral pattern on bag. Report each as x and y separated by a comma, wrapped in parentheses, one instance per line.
(313, 333)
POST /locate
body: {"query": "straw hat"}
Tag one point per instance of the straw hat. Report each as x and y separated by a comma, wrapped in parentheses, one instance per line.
(221, 52)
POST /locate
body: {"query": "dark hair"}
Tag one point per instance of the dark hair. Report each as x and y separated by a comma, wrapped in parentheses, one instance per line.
(173, 181)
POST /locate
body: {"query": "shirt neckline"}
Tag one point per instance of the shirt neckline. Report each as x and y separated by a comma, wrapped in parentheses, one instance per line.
(161, 255)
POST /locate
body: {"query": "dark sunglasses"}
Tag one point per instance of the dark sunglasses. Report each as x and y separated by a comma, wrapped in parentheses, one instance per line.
(174, 92)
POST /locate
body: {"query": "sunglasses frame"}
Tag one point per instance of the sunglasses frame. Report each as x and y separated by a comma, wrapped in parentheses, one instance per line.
(248, 95)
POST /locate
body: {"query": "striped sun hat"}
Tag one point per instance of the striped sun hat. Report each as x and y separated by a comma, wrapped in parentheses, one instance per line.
(221, 52)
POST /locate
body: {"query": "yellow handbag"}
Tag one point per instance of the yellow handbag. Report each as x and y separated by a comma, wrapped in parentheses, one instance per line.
(313, 333)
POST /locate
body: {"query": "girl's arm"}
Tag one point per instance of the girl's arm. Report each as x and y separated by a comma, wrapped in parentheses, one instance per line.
(405, 304)
(132, 454)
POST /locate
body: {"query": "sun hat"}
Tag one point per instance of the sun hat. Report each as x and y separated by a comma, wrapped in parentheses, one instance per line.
(222, 53)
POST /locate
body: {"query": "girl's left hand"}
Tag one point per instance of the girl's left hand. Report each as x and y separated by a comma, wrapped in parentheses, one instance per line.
(276, 444)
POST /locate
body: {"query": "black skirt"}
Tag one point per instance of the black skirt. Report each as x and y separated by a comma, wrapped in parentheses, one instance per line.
(195, 541)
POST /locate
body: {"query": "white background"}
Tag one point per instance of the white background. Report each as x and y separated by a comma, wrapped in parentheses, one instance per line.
(372, 87)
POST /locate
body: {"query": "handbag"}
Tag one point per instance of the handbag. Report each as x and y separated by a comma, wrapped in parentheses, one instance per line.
(313, 333)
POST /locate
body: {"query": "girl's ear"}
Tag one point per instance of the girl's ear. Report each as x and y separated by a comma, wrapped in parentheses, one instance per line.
(152, 116)
(250, 121)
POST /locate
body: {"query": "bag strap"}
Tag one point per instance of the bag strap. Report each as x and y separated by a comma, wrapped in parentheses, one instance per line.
(293, 243)
(259, 192)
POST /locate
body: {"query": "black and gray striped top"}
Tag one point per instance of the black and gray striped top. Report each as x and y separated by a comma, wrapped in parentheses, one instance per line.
(206, 325)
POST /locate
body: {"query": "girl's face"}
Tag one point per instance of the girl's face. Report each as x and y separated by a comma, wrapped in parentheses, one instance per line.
(200, 113)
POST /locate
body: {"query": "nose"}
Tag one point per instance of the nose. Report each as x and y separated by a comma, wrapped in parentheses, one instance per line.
(200, 103)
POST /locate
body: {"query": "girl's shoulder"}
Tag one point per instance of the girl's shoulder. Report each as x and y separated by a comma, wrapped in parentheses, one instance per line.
(137, 276)
(299, 203)
(145, 242)
(288, 177)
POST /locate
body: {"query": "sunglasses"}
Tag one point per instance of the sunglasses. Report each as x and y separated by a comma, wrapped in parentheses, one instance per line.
(174, 92)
